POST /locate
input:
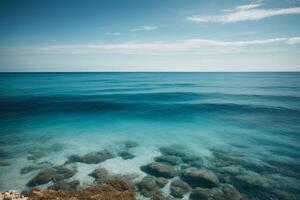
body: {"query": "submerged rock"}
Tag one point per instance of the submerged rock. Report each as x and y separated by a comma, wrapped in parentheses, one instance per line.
(253, 179)
(54, 174)
(174, 150)
(200, 194)
(65, 185)
(126, 155)
(224, 192)
(39, 166)
(92, 158)
(148, 186)
(179, 188)
(100, 175)
(233, 169)
(4, 154)
(172, 160)
(130, 144)
(110, 190)
(43, 177)
(35, 155)
(161, 182)
(200, 178)
(4, 163)
(190, 158)
(159, 170)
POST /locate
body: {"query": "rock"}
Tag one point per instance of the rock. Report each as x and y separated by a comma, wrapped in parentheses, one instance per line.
(43, 177)
(190, 158)
(173, 151)
(100, 175)
(200, 194)
(251, 178)
(126, 155)
(35, 155)
(148, 186)
(179, 188)
(159, 170)
(159, 196)
(54, 174)
(12, 195)
(161, 182)
(130, 144)
(110, 190)
(4, 154)
(92, 158)
(233, 169)
(172, 160)
(65, 185)
(64, 172)
(4, 163)
(39, 166)
(197, 164)
(200, 178)
(230, 193)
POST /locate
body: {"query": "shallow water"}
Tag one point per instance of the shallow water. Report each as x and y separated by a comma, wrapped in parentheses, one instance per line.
(256, 115)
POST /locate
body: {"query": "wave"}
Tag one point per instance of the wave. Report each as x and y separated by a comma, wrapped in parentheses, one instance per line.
(146, 104)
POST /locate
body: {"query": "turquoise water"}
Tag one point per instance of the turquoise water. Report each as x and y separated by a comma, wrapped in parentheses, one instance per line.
(255, 115)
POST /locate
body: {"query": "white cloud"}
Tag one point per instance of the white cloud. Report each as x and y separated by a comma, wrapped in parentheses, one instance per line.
(113, 33)
(249, 12)
(189, 46)
(144, 28)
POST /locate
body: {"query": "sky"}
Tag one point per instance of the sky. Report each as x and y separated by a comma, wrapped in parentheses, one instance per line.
(149, 35)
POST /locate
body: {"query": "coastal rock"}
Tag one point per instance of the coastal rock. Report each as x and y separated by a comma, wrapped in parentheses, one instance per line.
(91, 158)
(110, 190)
(126, 155)
(130, 144)
(174, 150)
(172, 160)
(65, 185)
(43, 177)
(200, 178)
(100, 175)
(159, 170)
(12, 195)
(179, 188)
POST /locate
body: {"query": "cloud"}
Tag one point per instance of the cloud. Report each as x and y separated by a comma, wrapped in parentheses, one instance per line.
(114, 33)
(248, 12)
(144, 28)
(188, 46)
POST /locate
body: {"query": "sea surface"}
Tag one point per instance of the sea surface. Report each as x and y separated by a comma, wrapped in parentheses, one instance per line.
(246, 120)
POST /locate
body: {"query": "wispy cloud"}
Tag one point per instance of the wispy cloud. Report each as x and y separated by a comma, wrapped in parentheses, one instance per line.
(114, 33)
(201, 46)
(144, 28)
(248, 12)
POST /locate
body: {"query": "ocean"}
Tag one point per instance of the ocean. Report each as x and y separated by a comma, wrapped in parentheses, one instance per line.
(244, 121)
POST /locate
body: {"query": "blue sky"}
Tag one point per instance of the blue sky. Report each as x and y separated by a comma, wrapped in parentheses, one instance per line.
(149, 35)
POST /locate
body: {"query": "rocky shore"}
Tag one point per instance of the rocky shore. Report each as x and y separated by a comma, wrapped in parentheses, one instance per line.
(175, 174)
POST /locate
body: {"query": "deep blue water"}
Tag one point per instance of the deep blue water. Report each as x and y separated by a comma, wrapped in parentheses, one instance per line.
(256, 115)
